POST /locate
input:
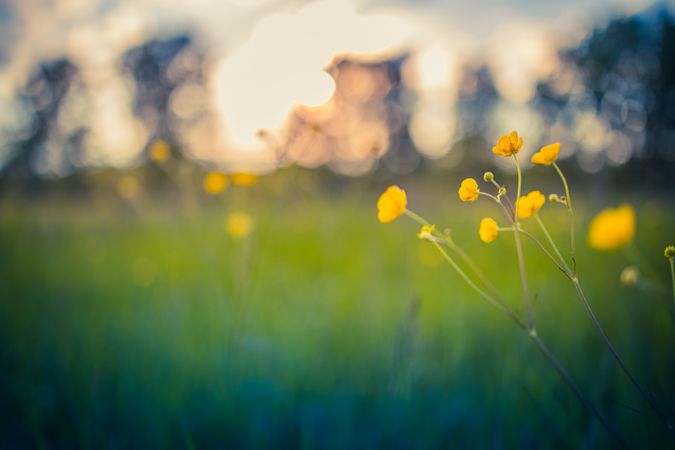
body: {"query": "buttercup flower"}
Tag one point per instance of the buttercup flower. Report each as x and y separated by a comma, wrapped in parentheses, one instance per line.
(488, 230)
(468, 190)
(159, 151)
(612, 228)
(215, 182)
(547, 154)
(244, 179)
(426, 231)
(239, 224)
(508, 145)
(391, 204)
(530, 204)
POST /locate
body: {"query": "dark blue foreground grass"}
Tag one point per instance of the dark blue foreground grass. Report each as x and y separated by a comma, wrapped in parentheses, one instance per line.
(323, 329)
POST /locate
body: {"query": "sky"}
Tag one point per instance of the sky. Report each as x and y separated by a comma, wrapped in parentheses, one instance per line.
(270, 55)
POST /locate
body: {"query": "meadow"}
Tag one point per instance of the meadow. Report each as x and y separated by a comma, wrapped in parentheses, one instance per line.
(145, 325)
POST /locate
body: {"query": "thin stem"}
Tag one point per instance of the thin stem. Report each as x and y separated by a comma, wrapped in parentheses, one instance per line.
(417, 218)
(618, 358)
(573, 385)
(543, 249)
(519, 251)
(552, 242)
(672, 275)
(478, 290)
(570, 211)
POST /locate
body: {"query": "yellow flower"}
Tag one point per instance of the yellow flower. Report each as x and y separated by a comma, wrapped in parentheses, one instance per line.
(128, 187)
(215, 182)
(426, 231)
(612, 229)
(244, 178)
(468, 190)
(547, 154)
(159, 151)
(488, 230)
(391, 204)
(530, 204)
(239, 224)
(508, 145)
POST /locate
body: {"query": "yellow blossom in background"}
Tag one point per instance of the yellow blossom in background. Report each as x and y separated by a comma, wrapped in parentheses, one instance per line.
(547, 154)
(612, 228)
(391, 204)
(508, 145)
(426, 231)
(629, 276)
(530, 204)
(239, 224)
(468, 190)
(215, 182)
(128, 187)
(159, 151)
(244, 179)
(489, 230)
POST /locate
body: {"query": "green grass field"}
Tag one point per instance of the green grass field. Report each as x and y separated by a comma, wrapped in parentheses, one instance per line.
(147, 326)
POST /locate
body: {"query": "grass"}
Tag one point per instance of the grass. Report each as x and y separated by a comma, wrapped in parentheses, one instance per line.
(148, 327)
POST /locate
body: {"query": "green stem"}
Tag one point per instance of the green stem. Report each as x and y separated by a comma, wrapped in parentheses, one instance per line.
(478, 290)
(573, 385)
(672, 275)
(552, 242)
(543, 249)
(618, 358)
(570, 211)
(519, 251)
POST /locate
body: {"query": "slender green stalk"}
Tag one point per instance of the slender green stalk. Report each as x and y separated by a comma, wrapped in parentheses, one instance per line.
(519, 251)
(478, 290)
(570, 212)
(672, 275)
(552, 242)
(573, 385)
(618, 358)
(542, 248)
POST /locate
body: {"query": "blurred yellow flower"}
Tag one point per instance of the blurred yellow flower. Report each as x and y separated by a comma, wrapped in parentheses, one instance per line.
(244, 179)
(468, 190)
(215, 182)
(530, 204)
(239, 224)
(128, 187)
(612, 228)
(508, 145)
(488, 230)
(159, 151)
(391, 204)
(426, 231)
(547, 154)
(629, 276)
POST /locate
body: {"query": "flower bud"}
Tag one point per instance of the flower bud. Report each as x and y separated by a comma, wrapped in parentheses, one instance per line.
(629, 276)
(502, 190)
(553, 198)
(488, 177)
(669, 252)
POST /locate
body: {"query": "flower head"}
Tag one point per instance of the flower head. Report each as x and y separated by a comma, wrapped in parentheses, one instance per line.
(244, 179)
(530, 204)
(468, 190)
(391, 204)
(215, 182)
(669, 252)
(426, 231)
(488, 230)
(159, 151)
(508, 145)
(239, 224)
(612, 228)
(547, 154)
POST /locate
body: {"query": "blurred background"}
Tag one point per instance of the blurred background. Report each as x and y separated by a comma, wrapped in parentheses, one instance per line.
(189, 254)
